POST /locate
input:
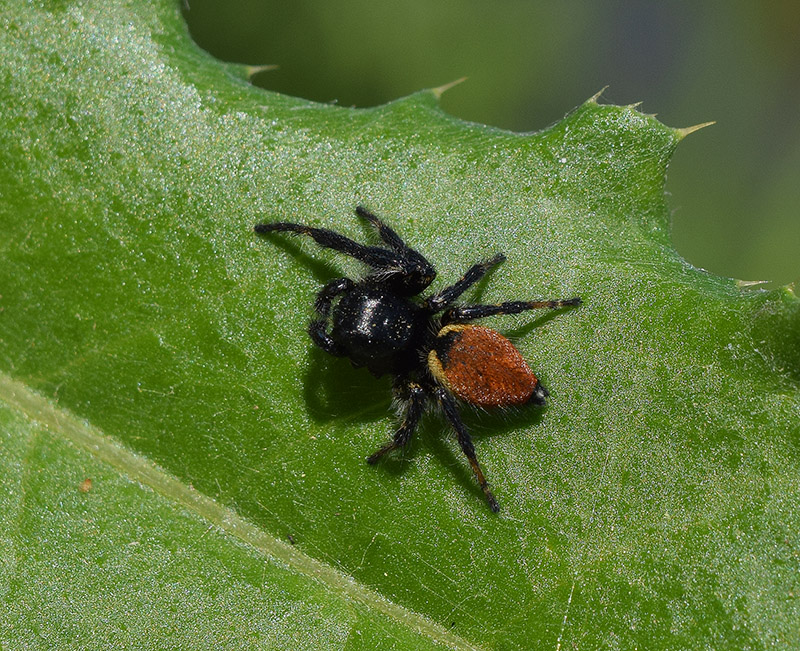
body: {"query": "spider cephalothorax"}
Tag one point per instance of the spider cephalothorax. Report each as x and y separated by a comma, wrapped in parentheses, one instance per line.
(427, 344)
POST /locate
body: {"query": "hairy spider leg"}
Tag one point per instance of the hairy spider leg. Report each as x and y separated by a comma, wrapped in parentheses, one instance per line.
(375, 256)
(387, 234)
(318, 327)
(462, 313)
(415, 405)
(412, 269)
(415, 270)
(465, 441)
(445, 297)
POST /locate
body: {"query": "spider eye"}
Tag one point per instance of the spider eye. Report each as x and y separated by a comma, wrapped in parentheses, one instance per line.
(412, 281)
(422, 276)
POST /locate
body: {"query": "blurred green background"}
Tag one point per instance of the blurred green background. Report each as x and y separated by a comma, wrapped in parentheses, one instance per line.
(735, 186)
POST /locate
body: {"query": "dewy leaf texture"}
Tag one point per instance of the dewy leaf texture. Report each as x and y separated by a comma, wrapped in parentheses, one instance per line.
(652, 503)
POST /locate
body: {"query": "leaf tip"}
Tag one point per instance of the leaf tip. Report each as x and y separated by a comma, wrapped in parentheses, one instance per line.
(751, 284)
(593, 99)
(252, 71)
(682, 133)
(440, 90)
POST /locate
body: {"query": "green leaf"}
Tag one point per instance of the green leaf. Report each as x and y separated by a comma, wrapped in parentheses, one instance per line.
(151, 343)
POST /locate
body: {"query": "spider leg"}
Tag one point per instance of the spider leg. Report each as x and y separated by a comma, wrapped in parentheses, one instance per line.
(374, 256)
(414, 408)
(462, 313)
(445, 297)
(465, 441)
(412, 271)
(318, 328)
(387, 234)
(415, 270)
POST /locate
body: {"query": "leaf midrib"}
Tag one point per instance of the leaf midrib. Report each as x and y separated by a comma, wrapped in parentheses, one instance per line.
(65, 425)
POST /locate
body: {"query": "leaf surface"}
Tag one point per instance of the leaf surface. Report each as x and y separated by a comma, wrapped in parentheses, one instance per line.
(151, 343)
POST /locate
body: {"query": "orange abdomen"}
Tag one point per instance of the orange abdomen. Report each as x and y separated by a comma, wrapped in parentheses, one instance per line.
(482, 367)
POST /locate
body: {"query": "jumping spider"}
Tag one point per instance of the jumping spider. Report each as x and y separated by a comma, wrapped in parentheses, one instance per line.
(428, 345)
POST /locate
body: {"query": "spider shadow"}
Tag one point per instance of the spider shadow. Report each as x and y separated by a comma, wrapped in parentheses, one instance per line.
(544, 317)
(321, 270)
(335, 390)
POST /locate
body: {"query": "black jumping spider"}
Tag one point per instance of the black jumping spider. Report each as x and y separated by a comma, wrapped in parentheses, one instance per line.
(428, 345)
